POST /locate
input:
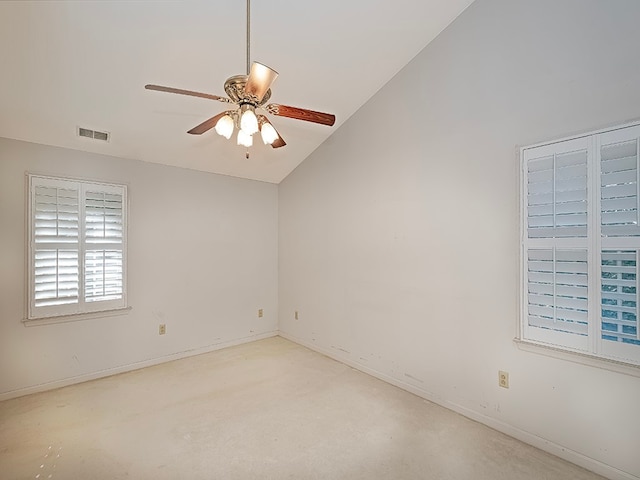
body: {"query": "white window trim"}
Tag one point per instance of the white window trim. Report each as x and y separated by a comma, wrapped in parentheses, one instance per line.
(75, 317)
(578, 357)
(598, 360)
(108, 308)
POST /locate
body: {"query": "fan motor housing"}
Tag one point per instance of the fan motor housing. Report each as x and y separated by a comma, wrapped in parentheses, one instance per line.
(234, 86)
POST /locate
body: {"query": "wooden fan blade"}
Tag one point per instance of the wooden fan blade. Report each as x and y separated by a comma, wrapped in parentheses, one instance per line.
(278, 142)
(186, 92)
(260, 79)
(301, 114)
(207, 124)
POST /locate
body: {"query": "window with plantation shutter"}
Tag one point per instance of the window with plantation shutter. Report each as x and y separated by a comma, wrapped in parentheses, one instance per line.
(580, 244)
(77, 249)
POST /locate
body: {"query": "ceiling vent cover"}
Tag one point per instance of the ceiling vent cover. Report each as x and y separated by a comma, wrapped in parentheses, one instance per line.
(96, 135)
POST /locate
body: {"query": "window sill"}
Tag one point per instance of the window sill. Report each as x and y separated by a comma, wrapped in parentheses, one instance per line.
(581, 358)
(75, 317)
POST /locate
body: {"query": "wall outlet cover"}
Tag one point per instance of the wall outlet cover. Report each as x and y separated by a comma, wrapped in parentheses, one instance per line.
(503, 379)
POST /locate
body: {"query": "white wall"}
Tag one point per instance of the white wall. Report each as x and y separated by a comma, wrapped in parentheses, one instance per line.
(202, 259)
(399, 235)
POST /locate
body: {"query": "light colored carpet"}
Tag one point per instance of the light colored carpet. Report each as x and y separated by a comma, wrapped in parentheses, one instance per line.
(265, 410)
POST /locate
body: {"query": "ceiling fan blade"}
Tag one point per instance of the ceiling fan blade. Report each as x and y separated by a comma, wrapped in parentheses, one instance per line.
(186, 92)
(207, 124)
(278, 142)
(260, 79)
(301, 114)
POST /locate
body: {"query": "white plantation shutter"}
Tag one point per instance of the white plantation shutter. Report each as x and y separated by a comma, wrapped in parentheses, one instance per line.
(619, 314)
(558, 290)
(103, 275)
(56, 277)
(557, 296)
(103, 217)
(55, 249)
(557, 194)
(77, 247)
(103, 265)
(619, 332)
(557, 259)
(619, 188)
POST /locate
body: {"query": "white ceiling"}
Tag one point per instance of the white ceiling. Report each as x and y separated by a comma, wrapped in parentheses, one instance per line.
(69, 63)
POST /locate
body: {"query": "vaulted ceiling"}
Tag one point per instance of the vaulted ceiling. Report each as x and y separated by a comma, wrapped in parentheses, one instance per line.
(66, 64)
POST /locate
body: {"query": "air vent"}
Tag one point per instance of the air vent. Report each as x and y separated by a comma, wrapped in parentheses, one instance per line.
(96, 135)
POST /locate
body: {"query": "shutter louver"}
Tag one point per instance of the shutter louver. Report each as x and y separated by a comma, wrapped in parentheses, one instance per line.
(619, 309)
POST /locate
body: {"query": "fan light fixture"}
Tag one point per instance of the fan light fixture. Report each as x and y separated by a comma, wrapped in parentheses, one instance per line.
(224, 126)
(269, 134)
(248, 119)
(244, 139)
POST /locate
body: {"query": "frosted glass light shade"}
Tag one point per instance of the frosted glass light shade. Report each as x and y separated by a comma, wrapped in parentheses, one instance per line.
(268, 133)
(248, 120)
(244, 139)
(260, 79)
(224, 127)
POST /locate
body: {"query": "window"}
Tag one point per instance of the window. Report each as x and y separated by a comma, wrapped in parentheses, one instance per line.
(580, 244)
(77, 247)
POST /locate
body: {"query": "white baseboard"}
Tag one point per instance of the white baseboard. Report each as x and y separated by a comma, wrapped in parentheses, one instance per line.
(132, 366)
(522, 435)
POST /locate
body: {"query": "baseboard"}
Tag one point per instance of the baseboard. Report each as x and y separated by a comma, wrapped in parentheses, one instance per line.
(522, 435)
(132, 366)
(517, 433)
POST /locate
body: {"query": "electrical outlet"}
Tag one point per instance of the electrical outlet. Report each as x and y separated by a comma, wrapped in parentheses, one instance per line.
(162, 329)
(295, 315)
(260, 313)
(503, 379)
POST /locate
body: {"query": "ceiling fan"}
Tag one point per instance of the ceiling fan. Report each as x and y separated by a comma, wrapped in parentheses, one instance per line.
(248, 94)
